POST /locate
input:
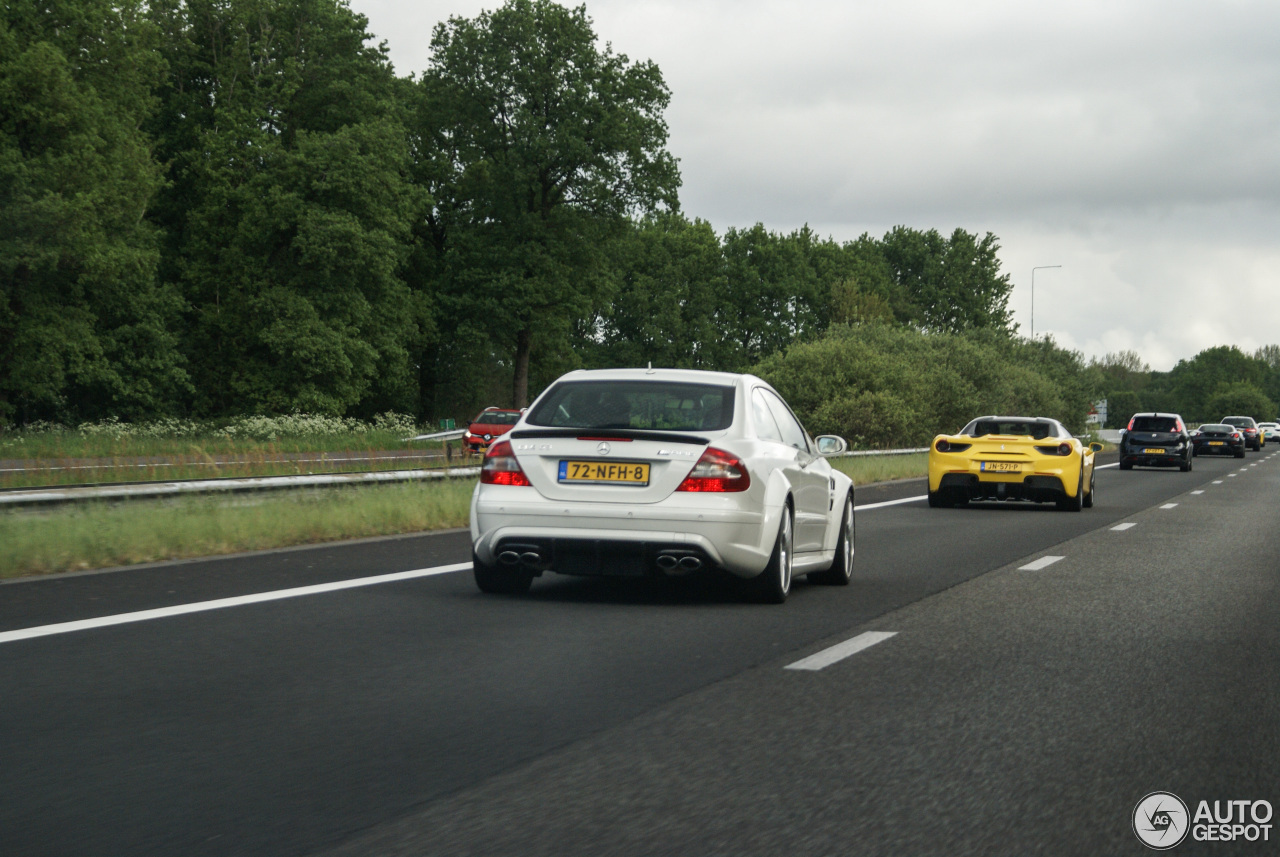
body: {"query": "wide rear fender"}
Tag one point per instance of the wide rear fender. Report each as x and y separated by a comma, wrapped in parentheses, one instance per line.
(776, 492)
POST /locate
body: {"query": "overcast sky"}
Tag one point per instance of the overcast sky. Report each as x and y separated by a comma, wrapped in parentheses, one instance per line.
(1137, 144)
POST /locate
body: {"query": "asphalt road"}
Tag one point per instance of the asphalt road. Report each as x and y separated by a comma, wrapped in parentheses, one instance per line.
(1013, 711)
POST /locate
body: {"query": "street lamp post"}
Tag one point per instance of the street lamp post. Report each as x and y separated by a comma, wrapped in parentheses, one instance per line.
(1033, 295)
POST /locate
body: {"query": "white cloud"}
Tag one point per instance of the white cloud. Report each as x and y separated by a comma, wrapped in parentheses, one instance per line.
(1137, 144)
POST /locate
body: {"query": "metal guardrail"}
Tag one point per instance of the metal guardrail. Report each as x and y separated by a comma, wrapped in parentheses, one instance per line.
(440, 435)
(36, 496)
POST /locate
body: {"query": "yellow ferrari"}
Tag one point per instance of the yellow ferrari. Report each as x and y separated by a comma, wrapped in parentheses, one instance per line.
(1012, 458)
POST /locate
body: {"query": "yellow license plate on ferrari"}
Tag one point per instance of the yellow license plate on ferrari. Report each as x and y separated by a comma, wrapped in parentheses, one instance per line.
(1001, 467)
(1217, 443)
(1153, 452)
(605, 472)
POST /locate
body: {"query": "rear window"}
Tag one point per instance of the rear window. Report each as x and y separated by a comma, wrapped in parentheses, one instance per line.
(641, 405)
(1022, 428)
(1155, 424)
(1245, 422)
(1216, 429)
(497, 418)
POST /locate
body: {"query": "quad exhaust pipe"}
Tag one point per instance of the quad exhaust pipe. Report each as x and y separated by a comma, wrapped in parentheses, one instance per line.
(529, 558)
(674, 563)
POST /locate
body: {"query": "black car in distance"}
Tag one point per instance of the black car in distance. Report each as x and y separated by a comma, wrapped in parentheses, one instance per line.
(1217, 439)
(1155, 440)
(1253, 438)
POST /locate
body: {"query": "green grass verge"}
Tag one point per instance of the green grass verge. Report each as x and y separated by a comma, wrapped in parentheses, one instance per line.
(883, 468)
(102, 534)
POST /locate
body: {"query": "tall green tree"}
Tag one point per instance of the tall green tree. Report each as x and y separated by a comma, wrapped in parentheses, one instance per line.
(290, 206)
(83, 328)
(948, 284)
(670, 279)
(547, 144)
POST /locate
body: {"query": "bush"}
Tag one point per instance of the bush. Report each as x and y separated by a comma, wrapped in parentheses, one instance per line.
(883, 386)
(1241, 399)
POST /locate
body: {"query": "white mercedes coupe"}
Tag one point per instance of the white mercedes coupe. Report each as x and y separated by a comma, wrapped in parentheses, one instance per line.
(663, 472)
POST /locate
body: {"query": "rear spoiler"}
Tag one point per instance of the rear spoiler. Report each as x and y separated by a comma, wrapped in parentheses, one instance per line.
(609, 434)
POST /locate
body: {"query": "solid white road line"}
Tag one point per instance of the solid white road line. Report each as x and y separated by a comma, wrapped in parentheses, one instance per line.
(1105, 466)
(237, 601)
(1042, 562)
(1169, 505)
(840, 651)
(1119, 528)
(890, 503)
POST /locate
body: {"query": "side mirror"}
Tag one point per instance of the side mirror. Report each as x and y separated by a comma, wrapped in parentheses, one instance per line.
(1095, 447)
(830, 444)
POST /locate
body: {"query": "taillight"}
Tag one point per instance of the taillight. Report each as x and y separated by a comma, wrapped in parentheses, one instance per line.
(717, 471)
(1131, 419)
(1064, 449)
(500, 466)
(942, 446)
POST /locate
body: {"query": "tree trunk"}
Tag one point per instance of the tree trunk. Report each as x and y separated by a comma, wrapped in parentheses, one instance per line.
(520, 379)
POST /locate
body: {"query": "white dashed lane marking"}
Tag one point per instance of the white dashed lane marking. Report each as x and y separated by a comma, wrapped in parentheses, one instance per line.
(1119, 528)
(1042, 562)
(1197, 492)
(1217, 482)
(840, 651)
(1168, 505)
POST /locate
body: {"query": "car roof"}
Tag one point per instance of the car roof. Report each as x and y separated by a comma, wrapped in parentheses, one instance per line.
(1157, 414)
(688, 376)
(1013, 419)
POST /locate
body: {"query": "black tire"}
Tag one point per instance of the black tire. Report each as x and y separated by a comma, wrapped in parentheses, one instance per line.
(773, 585)
(1185, 466)
(1093, 486)
(1240, 452)
(841, 571)
(1126, 465)
(1076, 503)
(500, 581)
(939, 500)
(1195, 452)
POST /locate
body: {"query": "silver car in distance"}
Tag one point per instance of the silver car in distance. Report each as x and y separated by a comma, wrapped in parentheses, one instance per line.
(662, 472)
